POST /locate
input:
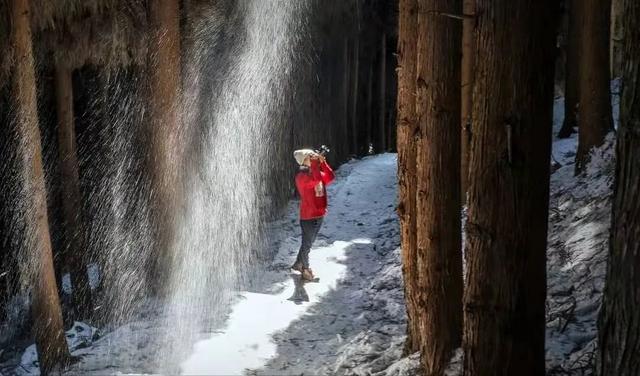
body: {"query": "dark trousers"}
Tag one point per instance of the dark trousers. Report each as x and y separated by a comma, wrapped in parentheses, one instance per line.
(310, 228)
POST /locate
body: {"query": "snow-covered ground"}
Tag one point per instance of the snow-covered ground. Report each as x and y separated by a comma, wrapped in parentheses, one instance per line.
(357, 327)
(352, 321)
(579, 222)
(305, 328)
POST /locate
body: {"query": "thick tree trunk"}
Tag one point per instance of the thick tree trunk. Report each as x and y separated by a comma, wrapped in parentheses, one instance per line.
(48, 331)
(468, 31)
(71, 206)
(619, 324)
(506, 231)
(406, 128)
(617, 35)
(438, 182)
(595, 99)
(572, 70)
(166, 132)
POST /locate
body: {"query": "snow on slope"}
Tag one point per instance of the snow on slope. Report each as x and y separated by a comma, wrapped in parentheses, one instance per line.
(579, 222)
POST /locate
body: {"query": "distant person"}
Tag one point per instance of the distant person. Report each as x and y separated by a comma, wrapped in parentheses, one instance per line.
(311, 181)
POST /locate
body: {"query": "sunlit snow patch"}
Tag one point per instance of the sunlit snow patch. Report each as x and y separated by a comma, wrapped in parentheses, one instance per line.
(246, 342)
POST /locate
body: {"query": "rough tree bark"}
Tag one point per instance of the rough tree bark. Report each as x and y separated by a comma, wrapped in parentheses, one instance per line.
(48, 330)
(468, 30)
(406, 127)
(71, 207)
(619, 323)
(572, 70)
(595, 99)
(617, 35)
(506, 231)
(165, 127)
(439, 239)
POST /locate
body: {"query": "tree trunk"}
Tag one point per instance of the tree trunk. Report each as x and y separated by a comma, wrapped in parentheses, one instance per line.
(71, 207)
(370, 114)
(354, 95)
(382, 96)
(506, 231)
(348, 78)
(572, 70)
(406, 128)
(595, 99)
(468, 30)
(345, 67)
(438, 182)
(619, 322)
(48, 330)
(364, 103)
(617, 35)
(166, 132)
(391, 96)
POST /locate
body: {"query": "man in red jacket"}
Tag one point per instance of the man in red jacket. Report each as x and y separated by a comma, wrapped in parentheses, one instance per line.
(314, 175)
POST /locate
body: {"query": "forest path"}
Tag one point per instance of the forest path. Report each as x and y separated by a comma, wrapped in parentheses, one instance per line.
(296, 328)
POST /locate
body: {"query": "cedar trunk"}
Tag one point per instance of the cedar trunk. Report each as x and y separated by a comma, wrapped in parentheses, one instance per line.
(572, 70)
(348, 63)
(438, 183)
(619, 324)
(71, 207)
(345, 129)
(406, 128)
(354, 95)
(595, 99)
(382, 96)
(364, 114)
(468, 30)
(506, 231)
(369, 109)
(47, 316)
(392, 84)
(617, 36)
(165, 126)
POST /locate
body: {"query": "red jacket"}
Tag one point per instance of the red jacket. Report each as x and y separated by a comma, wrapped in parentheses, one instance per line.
(311, 186)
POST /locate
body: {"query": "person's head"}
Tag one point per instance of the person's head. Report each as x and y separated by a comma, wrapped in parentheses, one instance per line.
(304, 156)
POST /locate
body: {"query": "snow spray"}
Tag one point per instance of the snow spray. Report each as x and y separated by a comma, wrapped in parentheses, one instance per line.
(222, 221)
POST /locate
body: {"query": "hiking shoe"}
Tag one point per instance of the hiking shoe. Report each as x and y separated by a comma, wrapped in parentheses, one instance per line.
(297, 267)
(307, 274)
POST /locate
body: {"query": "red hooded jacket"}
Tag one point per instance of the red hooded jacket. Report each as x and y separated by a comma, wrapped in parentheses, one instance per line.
(311, 186)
